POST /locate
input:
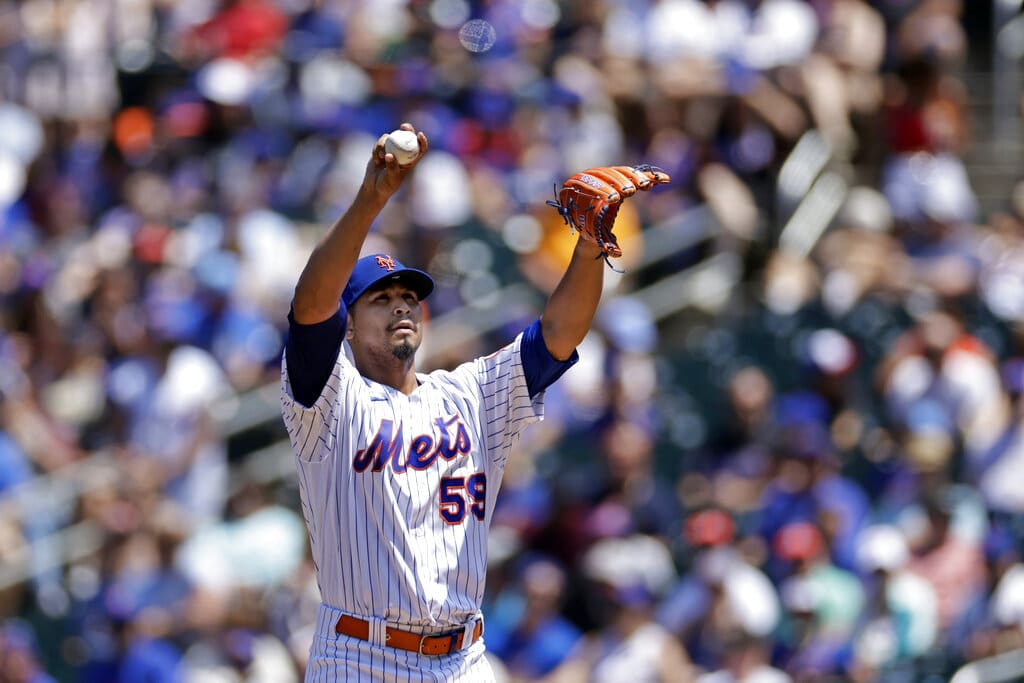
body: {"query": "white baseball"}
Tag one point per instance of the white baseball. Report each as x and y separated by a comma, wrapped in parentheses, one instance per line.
(404, 145)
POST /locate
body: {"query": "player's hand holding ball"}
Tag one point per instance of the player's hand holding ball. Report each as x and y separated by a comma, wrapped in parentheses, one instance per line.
(394, 155)
(403, 145)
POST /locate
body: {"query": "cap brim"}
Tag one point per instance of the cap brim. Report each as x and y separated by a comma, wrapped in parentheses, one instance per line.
(416, 280)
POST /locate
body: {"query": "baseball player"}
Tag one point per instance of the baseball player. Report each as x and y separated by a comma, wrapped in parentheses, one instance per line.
(398, 470)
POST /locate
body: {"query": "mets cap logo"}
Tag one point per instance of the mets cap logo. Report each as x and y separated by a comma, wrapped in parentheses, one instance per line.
(386, 262)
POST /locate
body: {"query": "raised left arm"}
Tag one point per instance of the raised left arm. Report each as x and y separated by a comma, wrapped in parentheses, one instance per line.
(589, 202)
(570, 308)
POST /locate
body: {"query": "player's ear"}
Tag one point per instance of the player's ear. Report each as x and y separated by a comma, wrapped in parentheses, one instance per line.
(348, 327)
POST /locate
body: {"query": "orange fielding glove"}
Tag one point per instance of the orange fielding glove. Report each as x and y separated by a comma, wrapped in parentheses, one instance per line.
(589, 201)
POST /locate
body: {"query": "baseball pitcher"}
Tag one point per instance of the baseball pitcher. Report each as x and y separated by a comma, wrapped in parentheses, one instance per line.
(398, 470)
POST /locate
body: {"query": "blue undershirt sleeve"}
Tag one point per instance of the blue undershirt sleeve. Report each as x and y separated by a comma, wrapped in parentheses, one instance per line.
(539, 366)
(311, 352)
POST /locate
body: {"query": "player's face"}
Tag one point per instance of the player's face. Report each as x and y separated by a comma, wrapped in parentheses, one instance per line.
(387, 322)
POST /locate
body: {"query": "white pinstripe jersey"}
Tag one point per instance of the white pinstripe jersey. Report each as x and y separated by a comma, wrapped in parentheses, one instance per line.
(397, 490)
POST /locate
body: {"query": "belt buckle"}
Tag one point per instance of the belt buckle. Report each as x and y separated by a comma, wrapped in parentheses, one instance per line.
(453, 636)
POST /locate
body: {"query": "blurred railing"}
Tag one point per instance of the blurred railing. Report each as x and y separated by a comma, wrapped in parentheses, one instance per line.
(1002, 668)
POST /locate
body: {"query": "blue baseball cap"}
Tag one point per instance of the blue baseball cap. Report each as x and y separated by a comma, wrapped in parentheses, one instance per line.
(375, 268)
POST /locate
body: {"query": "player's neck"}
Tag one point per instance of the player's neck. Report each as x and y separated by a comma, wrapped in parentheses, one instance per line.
(399, 375)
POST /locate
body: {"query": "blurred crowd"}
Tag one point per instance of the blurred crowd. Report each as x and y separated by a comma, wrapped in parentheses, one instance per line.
(811, 477)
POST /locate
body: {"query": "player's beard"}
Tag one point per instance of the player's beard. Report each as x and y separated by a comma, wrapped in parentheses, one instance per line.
(403, 350)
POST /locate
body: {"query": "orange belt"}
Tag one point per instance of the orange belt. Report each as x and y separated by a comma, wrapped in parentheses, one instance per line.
(439, 644)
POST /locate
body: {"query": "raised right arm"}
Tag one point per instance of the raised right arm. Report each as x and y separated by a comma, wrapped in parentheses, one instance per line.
(327, 271)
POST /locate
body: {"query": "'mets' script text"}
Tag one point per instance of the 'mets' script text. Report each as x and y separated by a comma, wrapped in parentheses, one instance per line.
(449, 441)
